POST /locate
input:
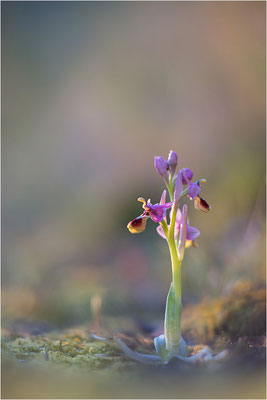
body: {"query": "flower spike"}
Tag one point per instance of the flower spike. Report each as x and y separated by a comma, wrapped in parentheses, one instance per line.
(179, 235)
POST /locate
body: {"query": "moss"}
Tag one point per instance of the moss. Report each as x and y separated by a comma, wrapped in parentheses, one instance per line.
(23, 346)
(241, 313)
(72, 351)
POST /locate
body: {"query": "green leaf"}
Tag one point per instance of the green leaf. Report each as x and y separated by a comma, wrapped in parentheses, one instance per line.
(172, 324)
(183, 348)
(160, 346)
(143, 358)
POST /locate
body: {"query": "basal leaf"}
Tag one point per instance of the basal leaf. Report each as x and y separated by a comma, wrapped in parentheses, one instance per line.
(172, 324)
(160, 345)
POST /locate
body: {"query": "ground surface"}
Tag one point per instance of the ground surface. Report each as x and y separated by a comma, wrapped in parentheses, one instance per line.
(72, 364)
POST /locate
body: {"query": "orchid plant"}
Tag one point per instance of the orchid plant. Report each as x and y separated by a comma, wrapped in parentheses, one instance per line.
(179, 235)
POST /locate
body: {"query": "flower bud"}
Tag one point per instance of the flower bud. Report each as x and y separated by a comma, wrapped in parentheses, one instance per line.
(178, 189)
(182, 238)
(201, 204)
(162, 167)
(172, 161)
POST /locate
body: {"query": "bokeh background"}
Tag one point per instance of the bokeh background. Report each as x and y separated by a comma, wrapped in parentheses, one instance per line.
(91, 91)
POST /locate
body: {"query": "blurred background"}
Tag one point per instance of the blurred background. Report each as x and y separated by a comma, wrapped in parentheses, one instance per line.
(91, 92)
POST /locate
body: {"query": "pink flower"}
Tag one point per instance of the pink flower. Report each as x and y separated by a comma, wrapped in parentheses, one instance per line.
(156, 212)
(193, 188)
(191, 232)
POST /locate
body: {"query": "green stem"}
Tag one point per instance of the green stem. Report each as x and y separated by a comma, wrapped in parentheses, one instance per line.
(170, 189)
(176, 263)
(172, 224)
(169, 233)
(165, 228)
(176, 268)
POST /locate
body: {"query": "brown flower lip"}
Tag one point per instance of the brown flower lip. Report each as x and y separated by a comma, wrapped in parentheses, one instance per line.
(138, 224)
(201, 204)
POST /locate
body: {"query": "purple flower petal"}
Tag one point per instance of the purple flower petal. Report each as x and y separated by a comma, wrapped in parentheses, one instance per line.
(167, 205)
(183, 233)
(192, 233)
(176, 231)
(158, 211)
(163, 197)
(178, 190)
(193, 190)
(177, 222)
(187, 175)
(178, 216)
(161, 232)
(159, 206)
(158, 214)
